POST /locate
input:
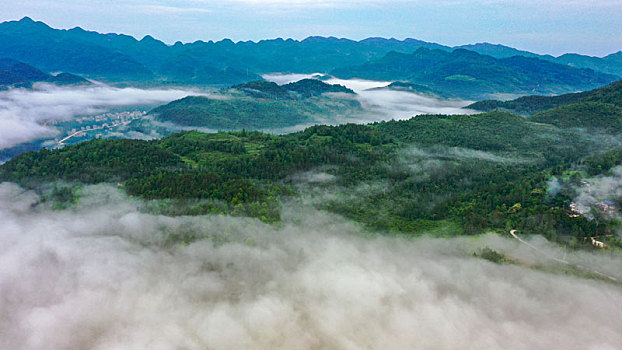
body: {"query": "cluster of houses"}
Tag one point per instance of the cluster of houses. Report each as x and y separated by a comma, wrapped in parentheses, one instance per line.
(598, 244)
(606, 207)
(109, 119)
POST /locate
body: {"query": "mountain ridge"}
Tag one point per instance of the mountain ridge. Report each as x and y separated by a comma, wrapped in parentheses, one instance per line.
(124, 59)
(469, 74)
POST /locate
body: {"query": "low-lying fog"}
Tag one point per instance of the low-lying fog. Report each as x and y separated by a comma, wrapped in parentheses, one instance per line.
(384, 104)
(104, 275)
(27, 115)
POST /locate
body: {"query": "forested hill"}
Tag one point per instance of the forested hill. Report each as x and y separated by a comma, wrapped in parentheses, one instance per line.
(261, 105)
(599, 109)
(440, 174)
(18, 74)
(304, 88)
(469, 74)
(610, 94)
(314, 87)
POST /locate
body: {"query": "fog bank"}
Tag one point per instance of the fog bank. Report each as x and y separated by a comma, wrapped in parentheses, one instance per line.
(29, 114)
(384, 104)
(104, 275)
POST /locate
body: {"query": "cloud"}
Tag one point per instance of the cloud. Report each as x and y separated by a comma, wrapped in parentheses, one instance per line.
(25, 115)
(382, 104)
(460, 153)
(105, 275)
(170, 10)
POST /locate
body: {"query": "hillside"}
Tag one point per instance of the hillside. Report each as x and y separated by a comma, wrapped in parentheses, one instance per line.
(591, 115)
(610, 94)
(313, 87)
(17, 74)
(232, 113)
(443, 174)
(301, 89)
(468, 74)
(260, 105)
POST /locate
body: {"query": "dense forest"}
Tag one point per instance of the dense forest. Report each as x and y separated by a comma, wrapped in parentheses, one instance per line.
(438, 174)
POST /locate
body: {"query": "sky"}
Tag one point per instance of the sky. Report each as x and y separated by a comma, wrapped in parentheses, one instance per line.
(592, 27)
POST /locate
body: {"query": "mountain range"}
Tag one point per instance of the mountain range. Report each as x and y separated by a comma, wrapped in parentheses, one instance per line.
(119, 59)
(611, 64)
(465, 73)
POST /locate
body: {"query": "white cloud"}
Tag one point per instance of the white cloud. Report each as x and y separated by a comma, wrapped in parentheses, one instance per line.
(102, 276)
(23, 112)
(382, 104)
(170, 10)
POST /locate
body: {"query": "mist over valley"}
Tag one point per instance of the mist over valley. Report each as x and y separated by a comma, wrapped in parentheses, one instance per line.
(318, 193)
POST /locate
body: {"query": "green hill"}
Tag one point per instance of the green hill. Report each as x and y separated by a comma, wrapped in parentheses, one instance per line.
(263, 89)
(595, 109)
(260, 105)
(230, 112)
(610, 94)
(590, 115)
(313, 87)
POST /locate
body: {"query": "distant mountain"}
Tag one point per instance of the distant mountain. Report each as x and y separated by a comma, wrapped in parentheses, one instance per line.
(496, 50)
(58, 50)
(468, 74)
(610, 94)
(117, 57)
(18, 74)
(67, 79)
(611, 64)
(15, 73)
(121, 58)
